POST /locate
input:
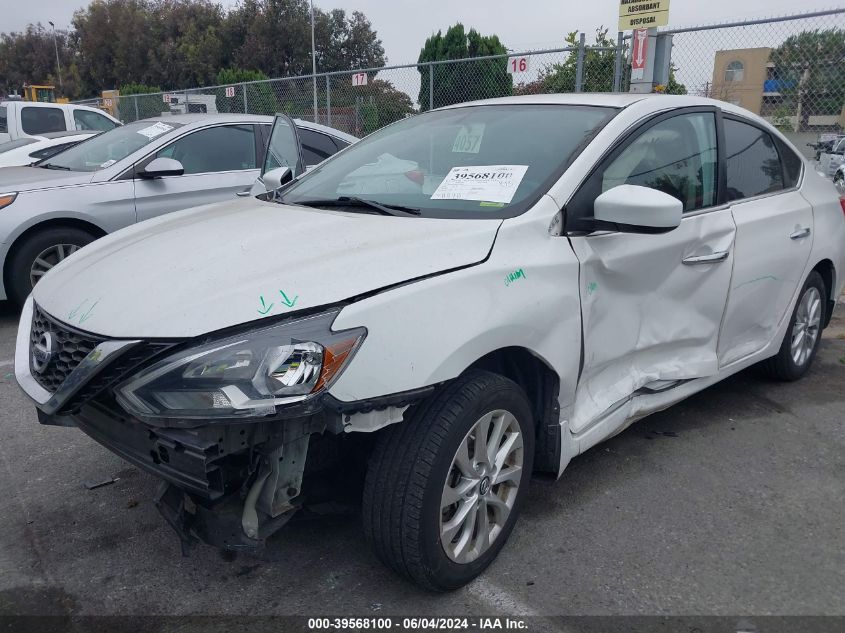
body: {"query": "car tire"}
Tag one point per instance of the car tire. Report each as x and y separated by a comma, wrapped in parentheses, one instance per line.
(52, 244)
(421, 464)
(803, 336)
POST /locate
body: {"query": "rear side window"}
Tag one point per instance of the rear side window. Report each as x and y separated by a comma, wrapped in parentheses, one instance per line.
(87, 120)
(754, 167)
(316, 147)
(4, 127)
(791, 164)
(42, 120)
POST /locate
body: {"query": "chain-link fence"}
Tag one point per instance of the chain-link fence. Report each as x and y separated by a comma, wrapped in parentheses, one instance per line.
(790, 70)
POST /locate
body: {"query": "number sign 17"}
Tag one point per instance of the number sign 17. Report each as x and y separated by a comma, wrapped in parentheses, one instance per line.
(517, 64)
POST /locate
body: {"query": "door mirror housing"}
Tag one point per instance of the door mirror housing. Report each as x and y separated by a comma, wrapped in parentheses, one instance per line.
(160, 167)
(276, 178)
(636, 209)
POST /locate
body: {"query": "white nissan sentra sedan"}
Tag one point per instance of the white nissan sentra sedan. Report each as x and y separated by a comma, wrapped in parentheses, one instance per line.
(456, 301)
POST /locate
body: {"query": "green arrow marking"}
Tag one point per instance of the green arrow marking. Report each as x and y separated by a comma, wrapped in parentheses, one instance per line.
(287, 301)
(72, 314)
(85, 316)
(264, 307)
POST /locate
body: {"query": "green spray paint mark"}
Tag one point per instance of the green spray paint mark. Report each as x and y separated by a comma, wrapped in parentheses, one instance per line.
(87, 315)
(287, 301)
(515, 276)
(72, 314)
(753, 281)
(264, 309)
(592, 287)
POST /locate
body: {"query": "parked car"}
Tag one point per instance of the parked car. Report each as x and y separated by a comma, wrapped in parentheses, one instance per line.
(22, 119)
(32, 149)
(129, 174)
(832, 159)
(563, 266)
(824, 145)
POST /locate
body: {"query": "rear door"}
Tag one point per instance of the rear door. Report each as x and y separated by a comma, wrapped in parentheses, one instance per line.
(774, 237)
(652, 305)
(219, 162)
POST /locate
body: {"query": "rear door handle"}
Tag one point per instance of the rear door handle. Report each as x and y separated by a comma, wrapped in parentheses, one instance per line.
(800, 234)
(712, 258)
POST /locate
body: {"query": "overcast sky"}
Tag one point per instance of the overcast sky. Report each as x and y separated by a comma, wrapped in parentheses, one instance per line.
(403, 25)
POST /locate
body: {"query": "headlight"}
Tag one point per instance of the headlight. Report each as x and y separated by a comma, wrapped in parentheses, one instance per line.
(245, 375)
(6, 199)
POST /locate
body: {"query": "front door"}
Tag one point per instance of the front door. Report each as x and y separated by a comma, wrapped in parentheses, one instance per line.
(774, 236)
(652, 304)
(219, 162)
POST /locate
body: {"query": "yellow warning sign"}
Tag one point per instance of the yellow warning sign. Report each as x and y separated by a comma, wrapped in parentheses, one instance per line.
(642, 14)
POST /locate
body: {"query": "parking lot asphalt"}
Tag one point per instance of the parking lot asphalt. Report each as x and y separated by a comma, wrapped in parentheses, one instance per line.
(729, 503)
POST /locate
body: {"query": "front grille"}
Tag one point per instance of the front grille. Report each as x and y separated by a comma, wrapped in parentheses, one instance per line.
(70, 347)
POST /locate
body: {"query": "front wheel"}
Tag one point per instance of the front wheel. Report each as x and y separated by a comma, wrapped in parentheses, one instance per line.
(444, 487)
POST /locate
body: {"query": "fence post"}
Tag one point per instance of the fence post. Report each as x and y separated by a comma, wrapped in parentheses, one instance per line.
(617, 66)
(246, 107)
(186, 102)
(430, 86)
(137, 115)
(328, 100)
(579, 66)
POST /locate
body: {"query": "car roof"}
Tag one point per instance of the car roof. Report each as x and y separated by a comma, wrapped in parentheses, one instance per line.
(205, 119)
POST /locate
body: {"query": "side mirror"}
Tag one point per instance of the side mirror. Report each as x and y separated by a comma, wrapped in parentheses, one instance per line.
(161, 166)
(636, 209)
(275, 178)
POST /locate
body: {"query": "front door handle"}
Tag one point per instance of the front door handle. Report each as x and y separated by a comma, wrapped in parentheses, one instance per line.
(242, 194)
(800, 234)
(712, 258)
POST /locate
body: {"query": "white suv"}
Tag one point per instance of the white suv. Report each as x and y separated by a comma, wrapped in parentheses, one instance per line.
(456, 301)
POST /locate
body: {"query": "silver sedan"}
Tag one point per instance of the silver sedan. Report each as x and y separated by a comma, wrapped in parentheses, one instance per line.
(132, 173)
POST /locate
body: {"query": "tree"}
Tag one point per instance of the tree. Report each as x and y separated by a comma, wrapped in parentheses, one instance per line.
(260, 97)
(30, 58)
(598, 67)
(465, 81)
(810, 68)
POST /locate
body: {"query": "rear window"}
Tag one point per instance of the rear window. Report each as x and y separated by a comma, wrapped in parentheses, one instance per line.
(3, 125)
(39, 120)
(88, 120)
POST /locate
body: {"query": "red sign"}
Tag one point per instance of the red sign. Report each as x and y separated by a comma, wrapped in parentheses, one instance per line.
(639, 51)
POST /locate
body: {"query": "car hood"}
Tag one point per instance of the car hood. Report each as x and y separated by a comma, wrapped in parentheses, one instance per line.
(204, 269)
(31, 178)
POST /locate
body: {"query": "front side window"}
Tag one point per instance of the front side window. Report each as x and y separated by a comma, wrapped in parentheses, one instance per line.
(42, 120)
(88, 120)
(735, 71)
(676, 156)
(105, 149)
(479, 161)
(753, 164)
(215, 149)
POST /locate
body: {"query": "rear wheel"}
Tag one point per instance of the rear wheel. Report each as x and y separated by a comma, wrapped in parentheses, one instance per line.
(444, 488)
(37, 254)
(803, 335)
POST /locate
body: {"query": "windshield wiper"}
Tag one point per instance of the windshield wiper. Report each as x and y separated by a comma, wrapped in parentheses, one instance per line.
(52, 166)
(353, 201)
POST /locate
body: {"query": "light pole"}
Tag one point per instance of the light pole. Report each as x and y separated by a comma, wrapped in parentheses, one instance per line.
(313, 62)
(58, 65)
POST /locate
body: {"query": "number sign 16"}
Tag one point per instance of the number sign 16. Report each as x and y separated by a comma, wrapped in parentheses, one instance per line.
(517, 64)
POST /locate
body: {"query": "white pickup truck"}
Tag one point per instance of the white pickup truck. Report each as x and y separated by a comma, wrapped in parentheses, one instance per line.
(20, 119)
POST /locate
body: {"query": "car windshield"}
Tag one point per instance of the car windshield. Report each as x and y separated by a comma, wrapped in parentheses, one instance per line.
(105, 149)
(476, 161)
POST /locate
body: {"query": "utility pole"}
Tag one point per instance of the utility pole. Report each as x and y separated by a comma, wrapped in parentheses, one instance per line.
(313, 62)
(58, 65)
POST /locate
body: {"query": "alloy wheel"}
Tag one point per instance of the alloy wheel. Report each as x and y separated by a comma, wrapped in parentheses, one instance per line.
(805, 332)
(48, 258)
(481, 486)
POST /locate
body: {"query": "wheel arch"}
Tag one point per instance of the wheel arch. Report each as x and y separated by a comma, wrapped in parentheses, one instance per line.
(541, 384)
(826, 269)
(52, 223)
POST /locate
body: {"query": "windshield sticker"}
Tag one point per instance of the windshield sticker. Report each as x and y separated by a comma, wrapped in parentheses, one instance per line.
(489, 183)
(157, 129)
(108, 163)
(497, 205)
(468, 140)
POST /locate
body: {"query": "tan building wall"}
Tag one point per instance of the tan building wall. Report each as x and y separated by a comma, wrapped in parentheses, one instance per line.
(746, 91)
